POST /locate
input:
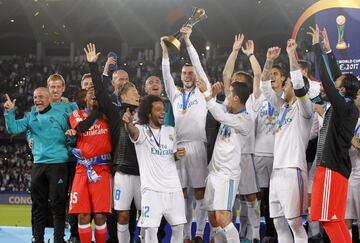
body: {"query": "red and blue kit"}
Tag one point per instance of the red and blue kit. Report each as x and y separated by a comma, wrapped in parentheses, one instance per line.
(91, 188)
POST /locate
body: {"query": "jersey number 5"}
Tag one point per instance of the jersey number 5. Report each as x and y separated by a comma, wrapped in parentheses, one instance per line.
(73, 197)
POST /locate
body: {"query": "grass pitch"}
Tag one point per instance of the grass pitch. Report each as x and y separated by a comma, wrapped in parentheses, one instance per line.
(15, 215)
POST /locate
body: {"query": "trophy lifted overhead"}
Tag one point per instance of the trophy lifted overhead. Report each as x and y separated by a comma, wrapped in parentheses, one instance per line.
(173, 42)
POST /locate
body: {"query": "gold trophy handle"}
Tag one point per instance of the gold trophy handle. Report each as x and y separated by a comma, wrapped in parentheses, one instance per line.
(174, 41)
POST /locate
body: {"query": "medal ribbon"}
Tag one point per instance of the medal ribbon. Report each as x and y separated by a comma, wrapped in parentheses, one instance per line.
(271, 110)
(282, 120)
(152, 134)
(186, 99)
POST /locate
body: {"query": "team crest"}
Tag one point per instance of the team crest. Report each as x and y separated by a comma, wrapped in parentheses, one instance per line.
(148, 132)
(171, 137)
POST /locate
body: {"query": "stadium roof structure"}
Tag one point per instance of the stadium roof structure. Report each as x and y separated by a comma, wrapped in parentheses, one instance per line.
(57, 23)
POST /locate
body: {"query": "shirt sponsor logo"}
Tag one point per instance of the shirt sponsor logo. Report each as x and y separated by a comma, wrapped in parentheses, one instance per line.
(162, 151)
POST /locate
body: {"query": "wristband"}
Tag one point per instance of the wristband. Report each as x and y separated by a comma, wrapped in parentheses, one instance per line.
(329, 51)
(207, 93)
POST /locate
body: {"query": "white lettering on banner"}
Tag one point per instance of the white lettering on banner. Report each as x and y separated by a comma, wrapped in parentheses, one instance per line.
(348, 65)
(19, 200)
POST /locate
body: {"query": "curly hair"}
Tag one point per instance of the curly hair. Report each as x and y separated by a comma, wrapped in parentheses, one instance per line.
(146, 107)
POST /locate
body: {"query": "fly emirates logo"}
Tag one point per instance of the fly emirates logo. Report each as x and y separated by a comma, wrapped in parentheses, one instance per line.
(163, 150)
(96, 129)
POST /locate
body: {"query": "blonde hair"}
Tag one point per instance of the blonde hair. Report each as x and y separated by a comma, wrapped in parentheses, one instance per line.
(54, 77)
(125, 88)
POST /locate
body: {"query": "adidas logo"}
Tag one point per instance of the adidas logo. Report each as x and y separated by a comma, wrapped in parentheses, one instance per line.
(334, 217)
(60, 181)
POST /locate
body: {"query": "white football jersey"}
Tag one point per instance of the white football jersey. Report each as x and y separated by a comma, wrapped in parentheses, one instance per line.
(265, 123)
(189, 108)
(226, 157)
(293, 127)
(155, 150)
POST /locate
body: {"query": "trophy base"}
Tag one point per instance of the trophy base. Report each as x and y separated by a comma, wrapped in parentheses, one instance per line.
(173, 42)
(341, 46)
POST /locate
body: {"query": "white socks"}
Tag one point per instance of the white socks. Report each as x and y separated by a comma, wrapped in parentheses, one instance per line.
(123, 232)
(298, 230)
(243, 218)
(177, 234)
(189, 218)
(231, 234)
(150, 235)
(283, 230)
(200, 216)
(254, 218)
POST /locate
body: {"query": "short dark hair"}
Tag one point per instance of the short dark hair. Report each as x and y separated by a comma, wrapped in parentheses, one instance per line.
(241, 90)
(351, 84)
(282, 72)
(305, 65)
(248, 78)
(80, 98)
(146, 107)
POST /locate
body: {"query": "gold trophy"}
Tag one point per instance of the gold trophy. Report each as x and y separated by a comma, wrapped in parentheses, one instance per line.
(198, 14)
(341, 20)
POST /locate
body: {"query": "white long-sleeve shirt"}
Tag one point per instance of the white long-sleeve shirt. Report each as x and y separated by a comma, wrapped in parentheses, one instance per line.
(225, 161)
(293, 128)
(189, 125)
(265, 125)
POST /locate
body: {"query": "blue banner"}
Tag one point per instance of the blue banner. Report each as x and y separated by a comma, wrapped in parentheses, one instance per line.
(15, 198)
(342, 25)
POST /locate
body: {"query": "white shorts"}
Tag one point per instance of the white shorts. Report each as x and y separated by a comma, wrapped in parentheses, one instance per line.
(263, 168)
(126, 188)
(288, 193)
(353, 199)
(192, 169)
(220, 193)
(248, 179)
(155, 205)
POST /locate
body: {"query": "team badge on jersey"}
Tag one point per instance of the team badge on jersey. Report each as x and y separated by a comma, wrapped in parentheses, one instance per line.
(148, 132)
(171, 137)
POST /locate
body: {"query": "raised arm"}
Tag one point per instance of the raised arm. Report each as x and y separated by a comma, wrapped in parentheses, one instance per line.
(132, 130)
(13, 126)
(255, 66)
(241, 124)
(102, 96)
(194, 57)
(169, 84)
(266, 88)
(297, 81)
(337, 101)
(334, 67)
(230, 63)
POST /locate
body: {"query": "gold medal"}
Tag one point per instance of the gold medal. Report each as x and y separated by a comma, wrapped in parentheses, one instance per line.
(183, 111)
(270, 118)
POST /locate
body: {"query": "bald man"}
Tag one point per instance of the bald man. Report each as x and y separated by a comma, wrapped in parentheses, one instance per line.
(153, 86)
(49, 176)
(119, 78)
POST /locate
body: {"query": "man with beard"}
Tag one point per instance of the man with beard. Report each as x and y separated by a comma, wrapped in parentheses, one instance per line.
(190, 113)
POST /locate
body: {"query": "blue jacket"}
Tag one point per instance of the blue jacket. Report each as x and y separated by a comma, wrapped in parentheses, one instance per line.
(50, 145)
